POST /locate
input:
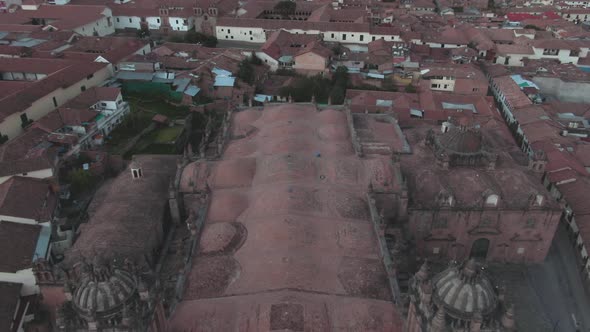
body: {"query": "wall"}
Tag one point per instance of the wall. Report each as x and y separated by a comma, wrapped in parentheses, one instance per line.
(576, 92)
(25, 277)
(40, 174)
(258, 35)
(11, 125)
(310, 62)
(514, 60)
(102, 27)
(563, 56)
(464, 227)
(253, 35)
(180, 23)
(272, 63)
(126, 22)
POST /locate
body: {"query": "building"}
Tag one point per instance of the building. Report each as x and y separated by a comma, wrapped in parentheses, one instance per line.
(32, 87)
(81, 19)
(302, 53)
(288, 212)
(86, 120)
(107, 275)
(13, 307)
(458, 79)
(469, 197)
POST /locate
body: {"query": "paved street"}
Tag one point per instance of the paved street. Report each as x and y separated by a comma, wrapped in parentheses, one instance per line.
(546, 295)
(558, 285)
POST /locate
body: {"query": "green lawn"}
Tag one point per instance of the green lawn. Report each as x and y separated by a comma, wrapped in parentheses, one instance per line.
(159, 106)
(167, 134)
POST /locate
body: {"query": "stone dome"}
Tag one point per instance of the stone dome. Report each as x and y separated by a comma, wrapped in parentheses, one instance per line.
(461, 140)
(103, 291)
(464, 291)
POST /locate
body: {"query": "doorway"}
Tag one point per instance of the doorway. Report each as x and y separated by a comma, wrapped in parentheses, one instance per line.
(479, 249)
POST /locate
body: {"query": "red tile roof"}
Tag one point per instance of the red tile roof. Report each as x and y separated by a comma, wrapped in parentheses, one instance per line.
(20, 240)
(26, 197)
(71, 72)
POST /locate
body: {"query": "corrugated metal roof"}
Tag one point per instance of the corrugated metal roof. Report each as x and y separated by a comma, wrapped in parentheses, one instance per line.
(132, 75)
(262, 98)
(181, 83)
(42, 242)
(453, 106)
(221, 72)
(224, 81)
(192, 90)
(383, 102)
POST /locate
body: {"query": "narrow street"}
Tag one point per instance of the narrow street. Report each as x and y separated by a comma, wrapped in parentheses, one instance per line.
(558, 286)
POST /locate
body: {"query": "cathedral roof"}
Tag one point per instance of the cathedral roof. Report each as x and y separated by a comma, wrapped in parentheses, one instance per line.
(103, 290)
(464, 291)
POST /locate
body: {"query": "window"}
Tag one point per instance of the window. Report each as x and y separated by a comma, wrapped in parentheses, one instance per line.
(136, 173)
(118, 20)
(228, 31)
(24, 118)
(362, 37)
(54, 102)
(492, 200)
(250, 32)
(440, 223)
(83, 88)
(475, 89)
(332, 35)
(185, 22)
(446, 86)
(373, 38)
(176, 21)
(434, 86)
(130, 20)
(343, 36)
(158, 20)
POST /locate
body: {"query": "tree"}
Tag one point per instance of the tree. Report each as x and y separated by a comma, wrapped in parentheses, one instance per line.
(194, 37)
(410, 88)
(337, 95)
(340, 76)
(285, 7)
(533, 27)
(81, 181)
(389, 84)
(143, 32)
(255, 60)
(246, 71)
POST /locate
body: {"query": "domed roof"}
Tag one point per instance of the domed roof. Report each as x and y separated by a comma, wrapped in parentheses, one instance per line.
(461, 140)
(464, 291)
(103, 291)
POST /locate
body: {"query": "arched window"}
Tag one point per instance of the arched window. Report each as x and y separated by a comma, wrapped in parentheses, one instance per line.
(492, 200)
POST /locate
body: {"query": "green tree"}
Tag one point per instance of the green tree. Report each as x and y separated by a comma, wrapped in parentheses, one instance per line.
(410, 88)
(246, 72)
(255, 60)
(337, 95)
(340, 76)
(194, 37)
(81, 181)
(286, 7)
